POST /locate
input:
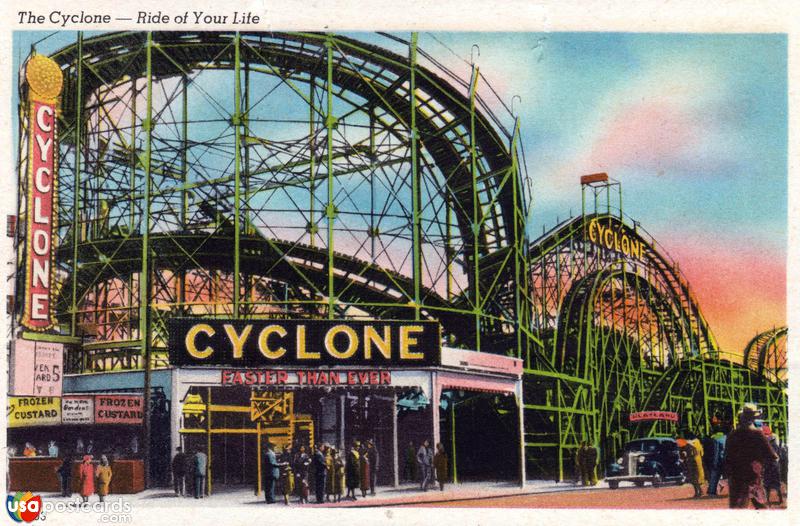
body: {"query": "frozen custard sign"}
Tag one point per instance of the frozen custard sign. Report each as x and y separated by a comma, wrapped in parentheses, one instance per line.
(44, 81)
(306, 343)
(118, 409)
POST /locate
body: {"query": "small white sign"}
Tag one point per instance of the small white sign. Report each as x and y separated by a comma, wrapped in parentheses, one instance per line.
(48, 369)
(77, 410)
(36, 368)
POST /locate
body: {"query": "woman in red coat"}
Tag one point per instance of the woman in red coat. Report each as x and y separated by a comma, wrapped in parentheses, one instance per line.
(86, 476)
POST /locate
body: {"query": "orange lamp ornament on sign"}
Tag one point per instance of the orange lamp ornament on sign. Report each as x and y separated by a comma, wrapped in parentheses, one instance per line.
(45, 81)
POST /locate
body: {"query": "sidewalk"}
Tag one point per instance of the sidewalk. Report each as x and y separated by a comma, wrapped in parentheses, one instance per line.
(405, 495)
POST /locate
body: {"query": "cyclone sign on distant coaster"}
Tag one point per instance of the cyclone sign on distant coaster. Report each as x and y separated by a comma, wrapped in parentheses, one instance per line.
(44, 82)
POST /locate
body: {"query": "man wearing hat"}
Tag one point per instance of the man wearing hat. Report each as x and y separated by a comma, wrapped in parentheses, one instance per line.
(747, 450)
(179, 471)
(271, 473)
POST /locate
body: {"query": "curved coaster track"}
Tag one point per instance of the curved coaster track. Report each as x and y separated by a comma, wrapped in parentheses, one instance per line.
(279, 174)
(621, 332)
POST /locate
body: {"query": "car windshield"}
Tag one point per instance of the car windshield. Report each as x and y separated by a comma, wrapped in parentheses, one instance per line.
(647, 446)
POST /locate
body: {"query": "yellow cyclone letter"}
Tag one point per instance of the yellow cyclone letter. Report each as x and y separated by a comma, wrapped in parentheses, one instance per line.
(237, 340)
(263, 343)
(191, 347)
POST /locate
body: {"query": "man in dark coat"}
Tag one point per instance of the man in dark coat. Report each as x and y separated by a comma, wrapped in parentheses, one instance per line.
(179, 472)
(714, 452)
(588, 461)
(271, 473)
(189, 472)
(65, 474)
(372, 455)
(320, 472)
(746, 452)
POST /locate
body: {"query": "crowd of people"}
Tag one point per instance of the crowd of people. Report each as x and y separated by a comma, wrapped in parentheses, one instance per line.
(749, 458)
(94, 476)
(329, 473)
(120, 448)
(91, 478)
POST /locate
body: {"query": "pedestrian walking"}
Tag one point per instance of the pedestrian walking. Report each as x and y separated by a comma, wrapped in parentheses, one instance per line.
(410, 466)
(577, 459)
(688, 453)
(65, 475)
(86, 477)
(330, 474)
(698, 458)
(189, 470)
(374, 458)
(271, 473)
(302, 464)
(320, 472)
(588, 462)
(353, 469)
(103, 474)
(772, 470)
(746, 452)
(339, 475)
(714, 452)
(783, 459)
(200, 467)
(440, 465)
(179, 471)
(364, 470)
(285, 483)
(425, 461)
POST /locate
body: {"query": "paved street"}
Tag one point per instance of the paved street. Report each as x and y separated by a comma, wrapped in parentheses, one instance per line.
(668, 497)
(536, 494)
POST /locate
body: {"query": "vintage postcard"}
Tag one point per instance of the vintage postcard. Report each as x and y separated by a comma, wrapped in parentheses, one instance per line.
(312, 269)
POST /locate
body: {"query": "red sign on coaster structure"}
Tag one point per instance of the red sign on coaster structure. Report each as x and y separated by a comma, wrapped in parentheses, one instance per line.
(653, 415)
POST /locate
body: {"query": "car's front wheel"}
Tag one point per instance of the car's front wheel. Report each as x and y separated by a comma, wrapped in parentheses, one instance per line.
(658, 477)
(613, 484)
(639, 483)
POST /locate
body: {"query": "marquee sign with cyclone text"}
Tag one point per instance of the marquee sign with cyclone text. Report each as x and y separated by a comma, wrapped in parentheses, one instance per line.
(304, 343)
(45, 81)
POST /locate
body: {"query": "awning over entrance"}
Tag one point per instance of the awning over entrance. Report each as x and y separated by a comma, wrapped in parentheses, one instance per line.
(490, 373)
(482, 384)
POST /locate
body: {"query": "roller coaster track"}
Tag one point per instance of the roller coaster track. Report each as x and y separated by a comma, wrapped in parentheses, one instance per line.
(574, 229)
(766, 354)
(371, 72)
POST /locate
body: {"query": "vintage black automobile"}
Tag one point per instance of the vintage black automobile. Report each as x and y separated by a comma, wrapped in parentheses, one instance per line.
(654, 460)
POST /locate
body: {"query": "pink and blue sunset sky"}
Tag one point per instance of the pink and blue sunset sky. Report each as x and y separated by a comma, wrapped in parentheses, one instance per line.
(694, 126)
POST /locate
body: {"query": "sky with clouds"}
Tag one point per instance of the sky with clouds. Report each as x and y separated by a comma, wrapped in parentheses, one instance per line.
(694, 126)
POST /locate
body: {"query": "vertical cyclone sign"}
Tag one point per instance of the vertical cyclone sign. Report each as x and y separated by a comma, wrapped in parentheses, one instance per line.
(44, 80)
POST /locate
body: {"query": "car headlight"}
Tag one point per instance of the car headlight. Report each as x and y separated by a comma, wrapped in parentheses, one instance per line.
(641, 458)
(619, 460)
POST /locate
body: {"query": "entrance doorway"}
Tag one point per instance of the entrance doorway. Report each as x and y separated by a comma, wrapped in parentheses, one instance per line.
(480, 434)
(232, 424)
